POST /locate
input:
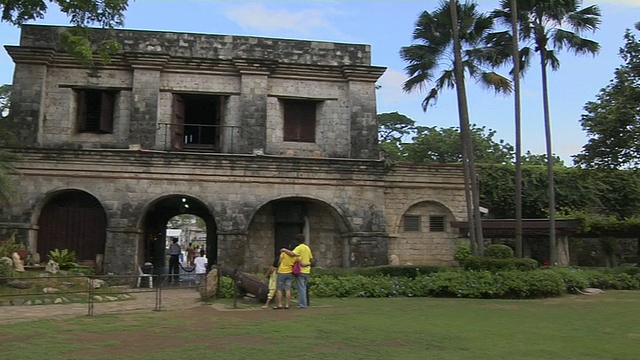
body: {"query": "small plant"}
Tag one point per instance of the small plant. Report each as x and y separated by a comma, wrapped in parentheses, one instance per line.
(64, 258)
(8, 247)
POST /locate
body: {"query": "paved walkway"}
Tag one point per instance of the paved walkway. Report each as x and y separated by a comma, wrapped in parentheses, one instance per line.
(172, 299)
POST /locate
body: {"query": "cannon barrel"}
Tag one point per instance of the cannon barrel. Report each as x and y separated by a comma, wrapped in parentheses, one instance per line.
(247, 282)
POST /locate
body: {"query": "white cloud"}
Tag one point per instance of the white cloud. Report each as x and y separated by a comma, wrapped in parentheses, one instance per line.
(256, 16)
(391, 86)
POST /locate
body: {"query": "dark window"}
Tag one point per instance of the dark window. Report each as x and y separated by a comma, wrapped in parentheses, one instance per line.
(411, 223)
(95, 111)
(436, 223)
(299, 120)
(196, 121)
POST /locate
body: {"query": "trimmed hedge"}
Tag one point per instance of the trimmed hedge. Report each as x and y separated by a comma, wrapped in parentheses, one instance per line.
(443, 282)
(480, 263)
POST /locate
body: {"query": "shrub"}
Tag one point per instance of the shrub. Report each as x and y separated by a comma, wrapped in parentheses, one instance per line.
(462, 253)
(479, 263)
(64, 258)
(9, 246)
(6, 270)
(498, 251)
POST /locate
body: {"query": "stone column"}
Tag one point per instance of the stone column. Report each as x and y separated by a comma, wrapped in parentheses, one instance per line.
(232, 248)
(28, 92)
(121, 250)
(252, 132)
(145, 98)
(362, 104)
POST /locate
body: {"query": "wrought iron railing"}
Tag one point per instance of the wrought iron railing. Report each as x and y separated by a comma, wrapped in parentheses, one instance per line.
(196, 137)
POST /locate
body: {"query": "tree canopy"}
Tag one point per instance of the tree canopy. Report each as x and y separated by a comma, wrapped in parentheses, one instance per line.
(82, 14)
(612, 121)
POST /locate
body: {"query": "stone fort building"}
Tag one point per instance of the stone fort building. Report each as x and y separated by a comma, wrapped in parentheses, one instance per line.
(262, 138)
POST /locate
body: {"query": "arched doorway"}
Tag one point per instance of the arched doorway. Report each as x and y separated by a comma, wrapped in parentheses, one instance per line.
(73, 220)
(277, 222)
(154, 227)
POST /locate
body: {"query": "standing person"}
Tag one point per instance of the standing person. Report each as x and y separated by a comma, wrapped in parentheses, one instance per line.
(174, 260)
(201, 266)
(284, 279)
(190, 254)
(302, 252)
(272, 275)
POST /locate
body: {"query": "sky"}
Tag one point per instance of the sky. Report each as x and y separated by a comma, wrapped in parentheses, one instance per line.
(387, 26)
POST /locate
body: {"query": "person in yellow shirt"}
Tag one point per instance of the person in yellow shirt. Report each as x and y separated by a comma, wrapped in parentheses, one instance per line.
(284, 279)
(302, 253)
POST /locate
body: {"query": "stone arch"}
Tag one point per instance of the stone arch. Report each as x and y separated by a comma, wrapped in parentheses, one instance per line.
(71, 219)
(428, 239)
(277, 220)
(152, 225)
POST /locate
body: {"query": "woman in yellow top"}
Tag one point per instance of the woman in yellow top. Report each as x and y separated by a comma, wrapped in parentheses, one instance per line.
(284, 279)
(303, 254)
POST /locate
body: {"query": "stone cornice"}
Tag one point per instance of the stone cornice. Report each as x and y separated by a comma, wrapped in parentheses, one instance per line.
(254, 66)
(148, 61)
(30, 55)
(363, 73)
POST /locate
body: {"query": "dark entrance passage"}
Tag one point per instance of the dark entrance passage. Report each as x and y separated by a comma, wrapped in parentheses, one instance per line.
(73, 220)
(154, 225)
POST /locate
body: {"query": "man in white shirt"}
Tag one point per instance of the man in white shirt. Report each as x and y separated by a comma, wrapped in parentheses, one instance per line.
(201, 266)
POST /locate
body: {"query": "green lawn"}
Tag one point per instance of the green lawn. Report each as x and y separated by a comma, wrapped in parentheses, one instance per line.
(603, 326)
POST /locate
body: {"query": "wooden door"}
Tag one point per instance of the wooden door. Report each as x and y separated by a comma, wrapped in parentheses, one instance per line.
(177, 123)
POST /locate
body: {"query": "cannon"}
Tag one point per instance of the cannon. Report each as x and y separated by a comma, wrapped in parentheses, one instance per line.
(247, 282)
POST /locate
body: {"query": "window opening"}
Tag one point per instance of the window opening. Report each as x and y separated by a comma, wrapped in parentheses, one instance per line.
(95, 111)
(411, 223)
(436, 223)
(197, 121)
(299, 120)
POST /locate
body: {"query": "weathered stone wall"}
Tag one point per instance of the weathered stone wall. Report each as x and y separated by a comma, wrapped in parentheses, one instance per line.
(252, 74)
(352, 203)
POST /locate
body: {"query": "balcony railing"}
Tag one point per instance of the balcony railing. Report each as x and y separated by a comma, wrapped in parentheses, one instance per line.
(197, 137)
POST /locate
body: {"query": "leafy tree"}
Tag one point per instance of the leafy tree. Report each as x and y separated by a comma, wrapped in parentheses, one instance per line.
(82, 14)
(440, 51)
(7, 140)
(612, 122)
(442, 145)
(540, 159)
(542, 23)
(392, 129)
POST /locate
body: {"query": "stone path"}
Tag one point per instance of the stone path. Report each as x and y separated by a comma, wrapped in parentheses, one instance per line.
(172, 299)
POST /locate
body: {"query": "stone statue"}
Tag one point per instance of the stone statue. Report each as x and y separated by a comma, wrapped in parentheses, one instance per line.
(18, 264)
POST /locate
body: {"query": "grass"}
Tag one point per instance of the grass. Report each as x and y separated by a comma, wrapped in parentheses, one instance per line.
(572, 327)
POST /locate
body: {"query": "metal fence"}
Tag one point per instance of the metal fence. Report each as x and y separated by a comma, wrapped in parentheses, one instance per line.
(44, 289)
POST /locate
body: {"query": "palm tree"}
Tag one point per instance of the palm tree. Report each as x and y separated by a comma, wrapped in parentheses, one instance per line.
(542, 24)
(440, 42)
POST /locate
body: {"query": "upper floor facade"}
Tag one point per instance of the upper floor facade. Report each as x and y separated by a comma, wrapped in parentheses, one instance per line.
(170, 91)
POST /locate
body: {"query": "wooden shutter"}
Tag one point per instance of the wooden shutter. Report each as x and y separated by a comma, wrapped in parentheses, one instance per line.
(177, 123)
(308, 121)
(81, 110)
(106, 112)
(299, 120)
(290, 130)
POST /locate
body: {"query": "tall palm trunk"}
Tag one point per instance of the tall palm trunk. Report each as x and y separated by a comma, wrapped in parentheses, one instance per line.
(465, 133)
(516, 98)
(553, 258)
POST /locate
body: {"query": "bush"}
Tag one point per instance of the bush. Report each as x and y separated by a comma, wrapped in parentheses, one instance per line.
(6, 270)
(8, 247)
(479, 263)
(64, 258)
(498, 251)
(462, 253)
